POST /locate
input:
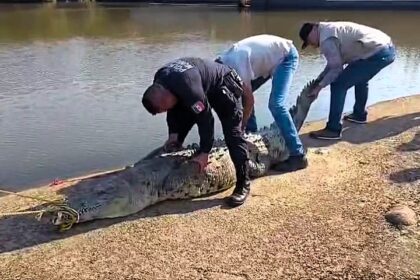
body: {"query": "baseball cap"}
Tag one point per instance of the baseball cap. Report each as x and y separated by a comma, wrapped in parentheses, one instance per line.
(304, 33)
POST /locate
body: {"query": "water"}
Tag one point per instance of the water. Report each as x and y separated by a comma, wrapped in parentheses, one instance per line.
(71, 77)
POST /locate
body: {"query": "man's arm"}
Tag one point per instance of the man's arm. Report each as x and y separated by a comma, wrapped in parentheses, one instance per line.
(191, 94)
(243, 68)
(205, 123)
(173, 119)
(180, 122)
(331, 50)
(247, 102)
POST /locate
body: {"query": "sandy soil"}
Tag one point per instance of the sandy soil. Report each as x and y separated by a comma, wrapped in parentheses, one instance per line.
(324, 222)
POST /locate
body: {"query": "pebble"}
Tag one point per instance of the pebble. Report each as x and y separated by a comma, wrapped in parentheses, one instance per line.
(401, 215)
(321, 151)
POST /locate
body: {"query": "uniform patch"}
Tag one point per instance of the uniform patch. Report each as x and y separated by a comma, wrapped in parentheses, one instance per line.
(179, 66)
(198, 107)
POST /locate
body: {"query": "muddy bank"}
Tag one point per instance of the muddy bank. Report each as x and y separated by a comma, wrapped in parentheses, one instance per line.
(326, 221)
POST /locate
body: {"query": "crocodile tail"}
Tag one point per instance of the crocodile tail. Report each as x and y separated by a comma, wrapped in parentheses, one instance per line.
(300, 110)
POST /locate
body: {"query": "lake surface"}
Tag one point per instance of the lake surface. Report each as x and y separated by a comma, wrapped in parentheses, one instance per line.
(72, 76)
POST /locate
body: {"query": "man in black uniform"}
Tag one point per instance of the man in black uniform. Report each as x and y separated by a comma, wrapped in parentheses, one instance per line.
(188, 88)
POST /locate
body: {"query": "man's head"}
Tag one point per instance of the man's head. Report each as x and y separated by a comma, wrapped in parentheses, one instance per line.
(309, 33)
(157, 99)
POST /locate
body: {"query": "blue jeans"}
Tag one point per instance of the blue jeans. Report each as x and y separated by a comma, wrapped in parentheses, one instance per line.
(282, 80)
(356, 74)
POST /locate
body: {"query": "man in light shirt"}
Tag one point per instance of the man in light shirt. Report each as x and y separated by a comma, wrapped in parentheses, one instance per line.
(257, 59)
(365, 51)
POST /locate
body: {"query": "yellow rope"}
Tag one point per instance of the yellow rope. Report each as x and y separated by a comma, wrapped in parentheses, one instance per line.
(54, 207)
(20, 213)
(23, 212)
(27, 196)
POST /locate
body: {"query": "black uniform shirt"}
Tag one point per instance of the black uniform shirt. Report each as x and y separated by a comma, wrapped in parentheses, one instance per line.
(192, 81)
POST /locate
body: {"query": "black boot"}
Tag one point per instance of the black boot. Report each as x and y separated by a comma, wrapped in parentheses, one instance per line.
(293, 163)
(326, 134)
(239, 195)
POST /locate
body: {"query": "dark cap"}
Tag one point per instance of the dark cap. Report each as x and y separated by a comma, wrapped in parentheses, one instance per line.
(304, 33)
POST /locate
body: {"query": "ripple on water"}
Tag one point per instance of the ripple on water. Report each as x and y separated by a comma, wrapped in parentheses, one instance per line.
(70, 102)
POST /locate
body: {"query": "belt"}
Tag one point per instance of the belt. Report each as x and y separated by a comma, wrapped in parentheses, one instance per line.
(233, 82)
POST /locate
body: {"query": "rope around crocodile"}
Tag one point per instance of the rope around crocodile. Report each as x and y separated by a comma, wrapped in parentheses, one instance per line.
(54, 206)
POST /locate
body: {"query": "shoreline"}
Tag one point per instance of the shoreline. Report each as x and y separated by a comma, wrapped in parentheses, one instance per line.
(257, 5)
(306, 128)
(326, 221)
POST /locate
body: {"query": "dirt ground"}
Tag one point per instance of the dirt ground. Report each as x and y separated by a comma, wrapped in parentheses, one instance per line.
(324, 222)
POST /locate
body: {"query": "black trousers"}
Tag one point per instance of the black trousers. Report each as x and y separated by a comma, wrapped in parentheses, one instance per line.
(229, 109)
(230, 112)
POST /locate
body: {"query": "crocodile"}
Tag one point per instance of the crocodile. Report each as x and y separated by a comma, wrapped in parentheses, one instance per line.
(167, 176)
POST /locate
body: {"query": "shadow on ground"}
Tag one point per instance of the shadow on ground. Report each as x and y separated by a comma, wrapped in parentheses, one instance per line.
(412, 146)
(23, 232)
(20, 232)
(410, 175)
(379, 129)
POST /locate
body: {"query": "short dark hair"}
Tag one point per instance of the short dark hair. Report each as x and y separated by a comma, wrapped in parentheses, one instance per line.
(147, 100)
(218, 60)
(304, 32)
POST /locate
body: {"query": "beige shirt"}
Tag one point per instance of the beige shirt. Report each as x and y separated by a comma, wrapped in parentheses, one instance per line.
(356, 41)
(345, 42)
(256, 56)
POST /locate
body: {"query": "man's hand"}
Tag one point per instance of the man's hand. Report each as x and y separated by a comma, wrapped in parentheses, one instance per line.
(315, 92)
(202, 160)
(172, 143)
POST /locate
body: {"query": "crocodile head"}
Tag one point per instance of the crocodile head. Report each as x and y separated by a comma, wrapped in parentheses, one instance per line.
(59, 215)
